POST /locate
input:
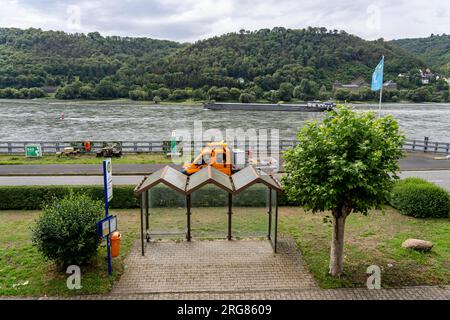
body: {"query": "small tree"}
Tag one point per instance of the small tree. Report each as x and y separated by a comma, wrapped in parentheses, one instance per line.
(235, 93)
(345, 164)
(246, 98)
(66, 232)
(285, 91)
(156, 99)
(137, 95)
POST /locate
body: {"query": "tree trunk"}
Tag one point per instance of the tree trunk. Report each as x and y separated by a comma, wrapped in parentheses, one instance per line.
(337, 243)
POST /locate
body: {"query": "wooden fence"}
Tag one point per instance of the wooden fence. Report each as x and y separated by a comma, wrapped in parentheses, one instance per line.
(49, 147)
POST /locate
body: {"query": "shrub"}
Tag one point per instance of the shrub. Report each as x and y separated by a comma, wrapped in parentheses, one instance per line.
(66, 232)
(138, 95)
(156, 99)
(247, 98)
(33, 197)
(419, 198)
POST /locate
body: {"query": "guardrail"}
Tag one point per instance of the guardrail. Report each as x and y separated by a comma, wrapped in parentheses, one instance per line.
(426, 145)
(49, 147)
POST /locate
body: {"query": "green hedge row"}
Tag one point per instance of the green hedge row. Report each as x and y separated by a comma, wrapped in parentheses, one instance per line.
(33, 197)
(419, 198)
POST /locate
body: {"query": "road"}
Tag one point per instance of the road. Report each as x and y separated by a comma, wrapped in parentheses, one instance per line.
(66, 180)
(441, 178)
(415, 164)
(413, 161)
(76, 169)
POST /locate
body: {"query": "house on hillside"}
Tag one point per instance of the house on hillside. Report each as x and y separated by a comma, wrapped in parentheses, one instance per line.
(426, 76)
(355, 85)
(360, 83)
(390, 85)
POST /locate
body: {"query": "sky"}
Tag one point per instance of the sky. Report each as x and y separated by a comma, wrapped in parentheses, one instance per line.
(192, 20)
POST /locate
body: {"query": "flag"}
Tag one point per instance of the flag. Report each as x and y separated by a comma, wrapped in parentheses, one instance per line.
(377, 76)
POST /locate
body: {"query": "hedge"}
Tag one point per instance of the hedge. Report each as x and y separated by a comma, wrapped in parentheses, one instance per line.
(33, 197)
(419, 198)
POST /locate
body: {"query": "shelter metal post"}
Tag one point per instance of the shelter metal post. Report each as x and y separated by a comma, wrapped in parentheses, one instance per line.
(147, 224)
(188, 217)
(230, 212)
(142, 223)
(277, 196)
(270, 215)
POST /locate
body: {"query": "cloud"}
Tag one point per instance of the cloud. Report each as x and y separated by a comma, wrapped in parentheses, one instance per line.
(191, 20)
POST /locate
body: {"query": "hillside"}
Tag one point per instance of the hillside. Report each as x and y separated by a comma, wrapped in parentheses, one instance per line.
(434, 50)
(270, 57)
(36, 58)
(276, 64)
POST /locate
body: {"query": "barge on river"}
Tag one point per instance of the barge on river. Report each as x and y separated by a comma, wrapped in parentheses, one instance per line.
(315, 106)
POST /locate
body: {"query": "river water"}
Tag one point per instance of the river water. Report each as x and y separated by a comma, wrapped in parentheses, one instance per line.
(39, 120)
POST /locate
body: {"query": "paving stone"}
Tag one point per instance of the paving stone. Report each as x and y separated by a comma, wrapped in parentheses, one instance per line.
(237, 270)
(213, 266)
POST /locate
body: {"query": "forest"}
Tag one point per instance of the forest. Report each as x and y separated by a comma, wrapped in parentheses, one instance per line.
(270, 65)
(434, 50)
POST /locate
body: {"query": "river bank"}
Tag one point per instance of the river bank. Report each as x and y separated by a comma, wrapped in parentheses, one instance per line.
(190, 102)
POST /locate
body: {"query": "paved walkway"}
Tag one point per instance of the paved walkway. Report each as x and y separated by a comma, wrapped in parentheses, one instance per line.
(232, 270)
(245, 269)
(410, 293)
(214, 266)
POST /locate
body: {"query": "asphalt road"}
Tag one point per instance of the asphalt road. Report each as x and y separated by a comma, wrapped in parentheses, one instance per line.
(414, 162)
(66, 180)
(77, 169)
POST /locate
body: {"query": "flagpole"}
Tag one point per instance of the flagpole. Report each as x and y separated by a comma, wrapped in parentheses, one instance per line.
(381, 93)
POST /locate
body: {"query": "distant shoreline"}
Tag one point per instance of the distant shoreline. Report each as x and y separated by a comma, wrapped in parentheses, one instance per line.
(200, 103)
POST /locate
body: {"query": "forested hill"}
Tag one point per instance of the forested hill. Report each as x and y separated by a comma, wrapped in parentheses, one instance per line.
(271, 57)
(434, 50)
(268, 64)
(79, 45)
(36, 58)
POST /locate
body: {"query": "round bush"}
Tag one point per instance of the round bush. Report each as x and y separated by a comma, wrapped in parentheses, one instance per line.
(66, 232)
(421, 199)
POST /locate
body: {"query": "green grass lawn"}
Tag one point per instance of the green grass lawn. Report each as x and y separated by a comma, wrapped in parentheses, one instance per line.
(24, 272)
(134, 158)
(375, 239)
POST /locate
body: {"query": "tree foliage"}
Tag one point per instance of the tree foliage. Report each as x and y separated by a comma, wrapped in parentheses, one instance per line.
(350, 158)
(434, 50)
(347, 163)
(294, 63)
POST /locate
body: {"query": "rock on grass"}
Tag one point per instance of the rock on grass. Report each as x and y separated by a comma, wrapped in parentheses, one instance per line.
(417, 244)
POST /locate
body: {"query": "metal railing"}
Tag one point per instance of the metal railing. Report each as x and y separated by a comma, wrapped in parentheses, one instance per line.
(426, 145)
(152, 146)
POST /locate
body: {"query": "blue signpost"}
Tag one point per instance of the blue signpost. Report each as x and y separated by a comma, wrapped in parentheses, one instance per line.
(108, 194)
(107, 226)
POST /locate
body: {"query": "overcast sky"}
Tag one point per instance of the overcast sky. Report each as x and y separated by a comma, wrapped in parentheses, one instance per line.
(191, 20)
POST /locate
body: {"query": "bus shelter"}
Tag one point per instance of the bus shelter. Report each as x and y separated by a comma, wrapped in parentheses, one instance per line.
(187, 185)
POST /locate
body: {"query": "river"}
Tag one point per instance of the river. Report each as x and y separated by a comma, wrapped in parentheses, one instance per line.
(34, 120)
